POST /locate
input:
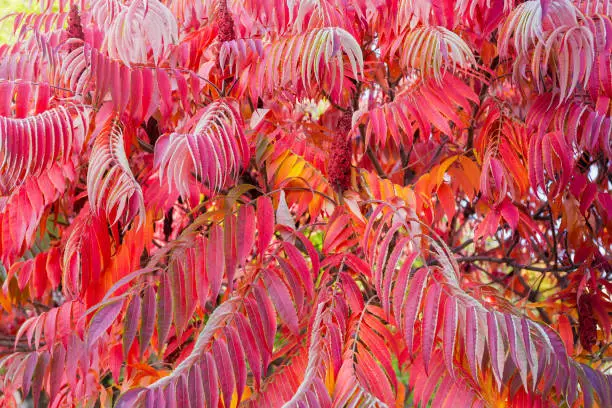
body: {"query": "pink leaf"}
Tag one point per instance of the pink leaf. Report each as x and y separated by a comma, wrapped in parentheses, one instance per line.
(182, 395)
(293, 281)
(165, 92)
(510, 213)
(209, 377)
(236, 352)
(195, 386)
(22, 98)
(282, 300)
(164, 311)
(27, 326)
(136, 93)
(382, 255)
(125, 78)
(116, 86)
(6, 96)
(451, 316)
(103, 319)
(517, 347)
(390, 274)
(267, 313)
(72, 358)
(496, 348)
(50, 326)
(255, 320)
(56, 373)
(182, 86)
(226, 376)
(265, 224)
(378, 347)
(25, 272)
(130, 398)
(245, 229)
(148, 320)
(132, 317)
(369, 371)
(471, 328)
(147, 96)
(430, 321)
(39, 375)
(297, 261)
(400, 288)
(177, 292)
(170, 395)
(530, 350)
(488, 226)
(412, 305)
(251, 350)
(215, 265)
(201, 278)
(230, 249)
(28, 372)
(354, 296)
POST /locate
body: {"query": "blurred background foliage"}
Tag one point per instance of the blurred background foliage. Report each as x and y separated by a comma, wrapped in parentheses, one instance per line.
(8, 7)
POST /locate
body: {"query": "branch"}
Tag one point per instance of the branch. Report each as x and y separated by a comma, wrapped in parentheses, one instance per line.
(8, 341)
(511, 262)
(376, 163)
(462, 246)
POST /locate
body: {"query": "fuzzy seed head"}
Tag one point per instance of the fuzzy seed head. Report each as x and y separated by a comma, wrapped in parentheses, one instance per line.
(75, 29)
(225, 23)
(339, 170)
(587, 322)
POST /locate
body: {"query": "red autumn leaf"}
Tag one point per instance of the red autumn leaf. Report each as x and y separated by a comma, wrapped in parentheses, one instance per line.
(437, 173)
